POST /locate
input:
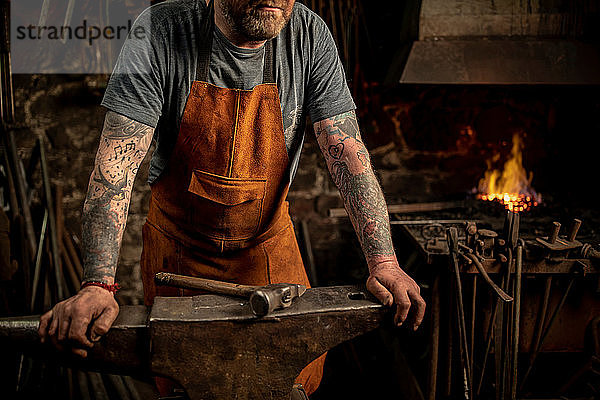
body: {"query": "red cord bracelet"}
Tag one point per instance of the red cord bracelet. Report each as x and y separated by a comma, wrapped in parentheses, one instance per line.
(110, 288)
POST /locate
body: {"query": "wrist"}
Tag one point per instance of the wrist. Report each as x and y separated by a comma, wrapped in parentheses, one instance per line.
(109, 287)
(381, 261)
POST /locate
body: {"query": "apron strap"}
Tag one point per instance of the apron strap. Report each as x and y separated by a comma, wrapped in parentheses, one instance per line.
(205, 49)
(269, 63)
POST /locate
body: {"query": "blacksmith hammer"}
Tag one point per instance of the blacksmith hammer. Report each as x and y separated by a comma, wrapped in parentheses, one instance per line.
(263, 299)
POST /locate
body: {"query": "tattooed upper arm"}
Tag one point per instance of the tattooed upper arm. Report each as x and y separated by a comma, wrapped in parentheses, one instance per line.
(341, 124)
(123, 146)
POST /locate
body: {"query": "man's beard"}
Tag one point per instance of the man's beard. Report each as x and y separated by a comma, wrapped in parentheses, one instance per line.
(247, 19)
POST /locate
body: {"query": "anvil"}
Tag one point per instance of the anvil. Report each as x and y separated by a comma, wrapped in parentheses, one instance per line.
(214, 346)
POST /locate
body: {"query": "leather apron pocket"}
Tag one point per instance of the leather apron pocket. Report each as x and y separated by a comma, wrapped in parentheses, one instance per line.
(226, 208)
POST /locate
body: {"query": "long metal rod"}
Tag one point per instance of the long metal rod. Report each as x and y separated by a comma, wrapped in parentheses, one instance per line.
(12, 194)
(547, 331)
(73, 254)
(68, 17)
(450, 339)
(84, 389)
(542, 314)
(517, 315)
(119, 386)
(38, 261)
(310, 257)
(44, 13)
(60, 290)
(435, 338)
(472, 336)
(21, 187)
(405, 208)
(453, 239)
(506, 328)
(492, 322)
(133, 392)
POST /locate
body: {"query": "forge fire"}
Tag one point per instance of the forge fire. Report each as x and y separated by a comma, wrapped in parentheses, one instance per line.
(510, 186)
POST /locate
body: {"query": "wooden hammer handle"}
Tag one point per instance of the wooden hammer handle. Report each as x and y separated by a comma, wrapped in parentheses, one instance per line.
(209, 285)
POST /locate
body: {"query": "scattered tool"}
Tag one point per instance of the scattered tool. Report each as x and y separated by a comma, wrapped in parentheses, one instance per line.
(556, 244)
(263, 299)
(502, 295)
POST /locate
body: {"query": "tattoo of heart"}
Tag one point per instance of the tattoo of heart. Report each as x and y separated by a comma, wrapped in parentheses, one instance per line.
(336, 150)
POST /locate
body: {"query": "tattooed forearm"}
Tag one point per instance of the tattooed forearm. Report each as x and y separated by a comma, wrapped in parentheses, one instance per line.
(366, 206)
(350, 167)
(123, 145)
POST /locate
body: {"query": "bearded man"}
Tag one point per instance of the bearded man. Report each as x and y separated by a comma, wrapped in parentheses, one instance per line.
(223, 89)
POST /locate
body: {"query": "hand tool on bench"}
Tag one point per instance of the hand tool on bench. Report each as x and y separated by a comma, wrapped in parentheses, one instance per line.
(263, 299)
(213, 345)
(501, 294)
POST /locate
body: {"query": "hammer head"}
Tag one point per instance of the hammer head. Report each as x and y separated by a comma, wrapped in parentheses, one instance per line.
(273, 297)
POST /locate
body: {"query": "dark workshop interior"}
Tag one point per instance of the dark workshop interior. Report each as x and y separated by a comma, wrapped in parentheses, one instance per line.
(482, 121)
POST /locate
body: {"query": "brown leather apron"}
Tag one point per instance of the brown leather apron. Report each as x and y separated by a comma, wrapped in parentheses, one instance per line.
(218, 210)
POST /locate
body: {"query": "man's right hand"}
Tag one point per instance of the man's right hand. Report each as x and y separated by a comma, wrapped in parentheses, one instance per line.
(79, 321)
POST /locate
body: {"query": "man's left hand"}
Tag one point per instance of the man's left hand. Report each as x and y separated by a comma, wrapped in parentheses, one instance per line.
(390, 284)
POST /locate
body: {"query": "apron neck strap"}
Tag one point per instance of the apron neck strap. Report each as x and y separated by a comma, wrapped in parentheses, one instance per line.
(205, 48)
(269, 63)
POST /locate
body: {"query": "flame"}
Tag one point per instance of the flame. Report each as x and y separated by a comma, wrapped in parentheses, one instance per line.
(512, 185)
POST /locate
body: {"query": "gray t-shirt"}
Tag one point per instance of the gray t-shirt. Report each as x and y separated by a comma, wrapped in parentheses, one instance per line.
(157, 65)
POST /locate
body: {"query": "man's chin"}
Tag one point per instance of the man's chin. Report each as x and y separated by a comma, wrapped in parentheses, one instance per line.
(260, 37)
(262, 34)
(264, 27)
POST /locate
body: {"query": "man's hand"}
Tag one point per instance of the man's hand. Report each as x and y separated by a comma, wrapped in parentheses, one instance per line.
(79, 321)
(390, 284)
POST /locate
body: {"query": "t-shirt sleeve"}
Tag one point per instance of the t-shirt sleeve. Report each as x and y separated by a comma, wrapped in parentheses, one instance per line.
(327, 91)
(135, 88)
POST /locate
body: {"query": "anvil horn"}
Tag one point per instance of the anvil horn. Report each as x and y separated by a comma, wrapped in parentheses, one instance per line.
(123, 350)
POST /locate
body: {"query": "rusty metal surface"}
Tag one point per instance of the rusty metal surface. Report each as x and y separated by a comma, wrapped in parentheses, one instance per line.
(245, 357)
